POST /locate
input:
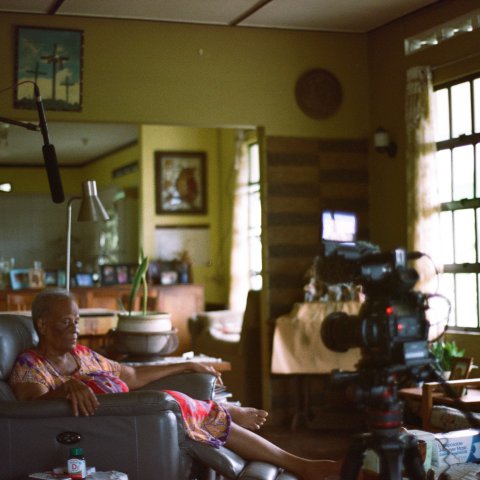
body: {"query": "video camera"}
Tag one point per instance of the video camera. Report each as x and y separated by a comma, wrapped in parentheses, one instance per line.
(391, 327)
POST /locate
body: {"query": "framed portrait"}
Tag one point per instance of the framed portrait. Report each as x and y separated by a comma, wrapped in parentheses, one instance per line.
(180, 183)
(20, 278)
(53, 60)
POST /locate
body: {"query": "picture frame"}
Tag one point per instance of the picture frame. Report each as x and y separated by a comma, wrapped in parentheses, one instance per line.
(61, 278)
(461, 367)
(52, 58)
(36, 278)
(51, 278)
(123, 274)
(180, 183)
(19, 278)
(108, 275)
(84, 279)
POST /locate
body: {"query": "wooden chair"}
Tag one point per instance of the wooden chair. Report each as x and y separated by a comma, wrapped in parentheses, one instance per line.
(439, 413)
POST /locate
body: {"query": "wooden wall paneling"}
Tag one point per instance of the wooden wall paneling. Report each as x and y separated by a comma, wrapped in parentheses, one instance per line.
(304, 177)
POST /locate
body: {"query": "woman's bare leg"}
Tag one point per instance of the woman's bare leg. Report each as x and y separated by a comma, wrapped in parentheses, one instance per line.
(253, 447)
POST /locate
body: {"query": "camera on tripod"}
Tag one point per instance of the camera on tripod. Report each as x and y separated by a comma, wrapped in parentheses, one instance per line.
(391, 327)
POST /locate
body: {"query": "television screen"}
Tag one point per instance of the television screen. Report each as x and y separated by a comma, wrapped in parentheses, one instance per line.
(339, 226)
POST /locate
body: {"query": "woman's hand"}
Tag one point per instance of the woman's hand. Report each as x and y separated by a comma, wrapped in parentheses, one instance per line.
(202, 368)
(82, 398)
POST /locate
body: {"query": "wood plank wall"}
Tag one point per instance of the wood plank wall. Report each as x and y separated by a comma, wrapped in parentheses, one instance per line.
(304, 177)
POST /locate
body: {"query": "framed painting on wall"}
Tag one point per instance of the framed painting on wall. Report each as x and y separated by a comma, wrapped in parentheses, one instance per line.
(180, 183)
(51, 59)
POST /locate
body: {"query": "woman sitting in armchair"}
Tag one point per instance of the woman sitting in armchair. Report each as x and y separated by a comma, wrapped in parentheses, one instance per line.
(58, 367)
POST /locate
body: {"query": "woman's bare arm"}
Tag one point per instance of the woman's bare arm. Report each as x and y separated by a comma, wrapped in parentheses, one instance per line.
(137, 377)
(81, 397)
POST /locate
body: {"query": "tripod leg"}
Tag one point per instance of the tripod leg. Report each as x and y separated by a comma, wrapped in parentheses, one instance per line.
(353, 460)
(390, 463)
(413, 460)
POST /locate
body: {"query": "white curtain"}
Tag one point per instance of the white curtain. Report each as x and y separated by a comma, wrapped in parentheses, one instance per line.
(423, 207)
(239, 265)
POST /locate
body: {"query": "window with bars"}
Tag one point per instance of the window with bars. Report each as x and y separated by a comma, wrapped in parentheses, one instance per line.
(254, 218)
(457, 136)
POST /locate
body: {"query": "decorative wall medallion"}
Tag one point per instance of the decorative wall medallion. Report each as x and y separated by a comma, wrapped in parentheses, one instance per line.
(318, 93)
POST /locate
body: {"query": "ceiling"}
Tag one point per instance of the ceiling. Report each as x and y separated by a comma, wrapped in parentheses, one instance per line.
(78, 143)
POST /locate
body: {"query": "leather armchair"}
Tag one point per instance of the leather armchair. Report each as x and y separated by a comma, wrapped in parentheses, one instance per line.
(139, 433)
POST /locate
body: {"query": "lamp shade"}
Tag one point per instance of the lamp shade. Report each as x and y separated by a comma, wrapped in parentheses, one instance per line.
(91, 208)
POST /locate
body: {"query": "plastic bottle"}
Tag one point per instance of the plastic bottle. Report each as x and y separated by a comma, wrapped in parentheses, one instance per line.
(76, 464)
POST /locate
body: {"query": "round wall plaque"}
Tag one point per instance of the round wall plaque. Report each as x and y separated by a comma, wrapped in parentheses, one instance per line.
(318, 93)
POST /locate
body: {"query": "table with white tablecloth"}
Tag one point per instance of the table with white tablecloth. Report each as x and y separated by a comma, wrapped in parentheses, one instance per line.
(297, 344)
(298, 350)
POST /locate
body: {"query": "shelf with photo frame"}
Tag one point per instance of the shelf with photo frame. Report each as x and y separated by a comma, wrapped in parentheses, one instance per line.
(160, 272)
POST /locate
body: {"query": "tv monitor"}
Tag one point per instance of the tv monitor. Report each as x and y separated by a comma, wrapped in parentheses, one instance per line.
(339, 226)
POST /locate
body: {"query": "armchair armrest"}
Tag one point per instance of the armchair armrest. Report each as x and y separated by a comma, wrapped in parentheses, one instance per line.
(143, 401)
(200, 386)
(428, 390)
(119, 404)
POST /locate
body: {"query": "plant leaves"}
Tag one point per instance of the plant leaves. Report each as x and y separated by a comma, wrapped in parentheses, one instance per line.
(139, 279)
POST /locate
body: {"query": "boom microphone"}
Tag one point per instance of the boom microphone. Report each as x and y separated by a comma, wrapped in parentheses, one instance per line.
(49, 154)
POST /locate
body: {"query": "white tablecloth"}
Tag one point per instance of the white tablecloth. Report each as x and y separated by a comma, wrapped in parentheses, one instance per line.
(297, 344)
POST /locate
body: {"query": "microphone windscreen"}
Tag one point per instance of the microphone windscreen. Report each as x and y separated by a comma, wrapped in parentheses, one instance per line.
(53, 173)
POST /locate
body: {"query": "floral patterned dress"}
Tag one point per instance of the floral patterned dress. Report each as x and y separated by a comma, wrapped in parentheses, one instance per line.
(205, 421)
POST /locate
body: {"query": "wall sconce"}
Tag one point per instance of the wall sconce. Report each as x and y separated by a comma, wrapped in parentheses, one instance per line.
(383, 144)
(91, 210)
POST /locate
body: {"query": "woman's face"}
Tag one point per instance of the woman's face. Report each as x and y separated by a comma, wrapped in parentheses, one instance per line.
(59, 328)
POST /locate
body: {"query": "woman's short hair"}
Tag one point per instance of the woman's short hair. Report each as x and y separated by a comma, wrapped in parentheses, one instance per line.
(43, 302)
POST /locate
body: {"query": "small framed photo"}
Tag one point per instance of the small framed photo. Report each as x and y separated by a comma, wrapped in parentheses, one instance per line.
(123, 274)
(51, 278)
(61, 278)
(84, 280)
(180, 183)
(109, 275)
(19, 278)
(36, 278)
(461, 367)
(169, 277)
(52, 59)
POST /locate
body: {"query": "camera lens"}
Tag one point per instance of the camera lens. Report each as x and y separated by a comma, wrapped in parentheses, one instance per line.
(340, 332)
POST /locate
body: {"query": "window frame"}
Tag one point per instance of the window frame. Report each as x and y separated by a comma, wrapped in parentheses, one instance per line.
(450, 144)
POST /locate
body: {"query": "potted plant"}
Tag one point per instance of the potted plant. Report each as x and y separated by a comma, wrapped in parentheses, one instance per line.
(143, 332)
(444, 351)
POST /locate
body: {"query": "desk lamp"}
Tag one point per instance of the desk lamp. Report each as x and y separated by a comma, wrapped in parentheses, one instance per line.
(91, 210)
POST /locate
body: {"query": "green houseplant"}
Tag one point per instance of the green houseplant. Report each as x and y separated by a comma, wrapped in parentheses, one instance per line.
(142, 332)
(444, 351)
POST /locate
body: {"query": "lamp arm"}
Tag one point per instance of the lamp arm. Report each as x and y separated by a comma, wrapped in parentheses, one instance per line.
(69, 242)
(28, 126)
